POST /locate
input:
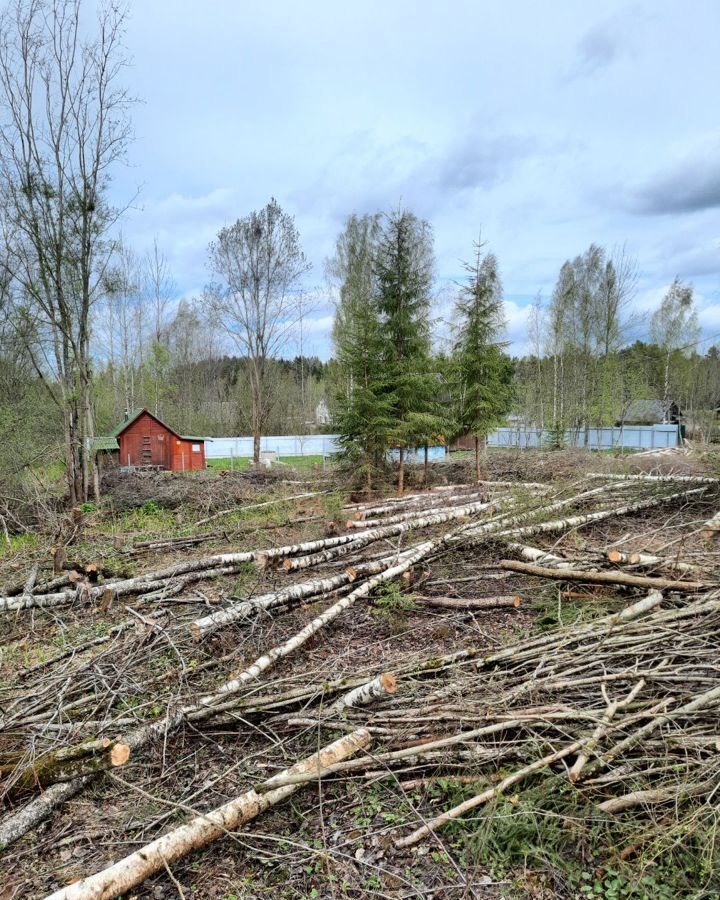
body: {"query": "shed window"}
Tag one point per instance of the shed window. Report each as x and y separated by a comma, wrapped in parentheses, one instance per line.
(196, 448)
(161, 437)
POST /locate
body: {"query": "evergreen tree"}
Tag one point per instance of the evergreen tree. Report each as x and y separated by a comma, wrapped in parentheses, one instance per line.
(363, 406)
(404, 271)
(484, 372)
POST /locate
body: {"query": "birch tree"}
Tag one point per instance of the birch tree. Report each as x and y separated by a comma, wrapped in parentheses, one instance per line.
(674, 327)
(260, 265)
(64, 125)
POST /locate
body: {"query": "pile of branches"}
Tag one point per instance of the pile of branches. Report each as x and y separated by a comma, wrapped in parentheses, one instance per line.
(606, 700)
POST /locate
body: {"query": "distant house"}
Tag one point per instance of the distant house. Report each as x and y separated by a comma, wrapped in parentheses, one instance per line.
(650, 412)
(322, 413)
(142, 439)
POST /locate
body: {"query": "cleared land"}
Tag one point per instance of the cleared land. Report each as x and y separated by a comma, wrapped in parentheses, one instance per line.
(522, 676)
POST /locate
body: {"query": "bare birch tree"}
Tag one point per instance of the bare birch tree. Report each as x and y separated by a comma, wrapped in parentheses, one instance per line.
(64, 124)
(260, 265)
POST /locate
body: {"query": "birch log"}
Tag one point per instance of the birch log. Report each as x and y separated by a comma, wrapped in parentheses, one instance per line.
(237, 612)
(468, 604)
(601, 577)
(648, 560)
(657, 479)
(476, 535)
(131, 871)
(363, 694)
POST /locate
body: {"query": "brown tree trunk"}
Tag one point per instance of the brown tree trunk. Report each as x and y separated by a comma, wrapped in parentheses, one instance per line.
(477, 458)
(401, 471)
(425, 466)
(69, 458)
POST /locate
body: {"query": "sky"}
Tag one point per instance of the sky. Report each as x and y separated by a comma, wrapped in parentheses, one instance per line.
(545, 126)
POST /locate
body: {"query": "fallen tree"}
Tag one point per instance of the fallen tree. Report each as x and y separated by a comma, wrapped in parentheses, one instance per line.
(622, 578)
(202, 830)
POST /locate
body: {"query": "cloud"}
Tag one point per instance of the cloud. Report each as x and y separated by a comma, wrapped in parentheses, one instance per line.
(689, 185)
(597, 49)
(367, 174)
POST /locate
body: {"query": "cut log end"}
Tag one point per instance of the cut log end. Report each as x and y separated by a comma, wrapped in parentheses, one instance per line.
(351, 572)
(195, 631)
(119, 755)
(287, 565)
(389, 682)
(615, 556)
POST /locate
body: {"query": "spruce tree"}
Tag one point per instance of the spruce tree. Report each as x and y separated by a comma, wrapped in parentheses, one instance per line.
(484, 372)
(404, 271)
(363, 407)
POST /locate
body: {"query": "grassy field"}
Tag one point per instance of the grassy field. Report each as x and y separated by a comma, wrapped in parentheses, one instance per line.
(301, 463)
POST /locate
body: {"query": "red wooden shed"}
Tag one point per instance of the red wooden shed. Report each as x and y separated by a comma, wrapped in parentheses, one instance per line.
(144, 440)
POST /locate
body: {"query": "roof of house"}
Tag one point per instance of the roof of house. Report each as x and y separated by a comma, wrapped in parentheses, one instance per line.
(109, 442)
(652, 411)
(129, 419)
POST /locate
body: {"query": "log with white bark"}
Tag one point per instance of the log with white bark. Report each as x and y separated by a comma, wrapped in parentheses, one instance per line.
(381, 686)
(64, 764)
(622, 578)
(131, 871)
(659, 479)
(18, 824)
(288, 596)
(471, 603)
(470, 536)
(544, 557)
(419, 503)
(647, 560)
(712, 526)
(405, 561)
(333, 548)
(465, 510)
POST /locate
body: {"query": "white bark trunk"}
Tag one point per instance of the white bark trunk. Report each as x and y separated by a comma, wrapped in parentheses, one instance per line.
(153, 857)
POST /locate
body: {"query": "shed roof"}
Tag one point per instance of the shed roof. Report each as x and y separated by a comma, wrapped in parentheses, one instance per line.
(136, 413)
(644, 411)
(105, 442)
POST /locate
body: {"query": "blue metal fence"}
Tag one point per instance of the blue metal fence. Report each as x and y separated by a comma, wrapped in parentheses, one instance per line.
(630, 437)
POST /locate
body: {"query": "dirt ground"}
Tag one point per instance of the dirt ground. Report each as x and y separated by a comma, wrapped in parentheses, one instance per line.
(332, 839)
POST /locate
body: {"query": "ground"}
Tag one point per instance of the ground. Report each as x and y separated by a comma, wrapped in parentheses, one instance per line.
(334, 838)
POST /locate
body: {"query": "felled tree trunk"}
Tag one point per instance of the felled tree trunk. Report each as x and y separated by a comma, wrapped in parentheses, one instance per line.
(202, 830)
(64, 764)
(660, 584)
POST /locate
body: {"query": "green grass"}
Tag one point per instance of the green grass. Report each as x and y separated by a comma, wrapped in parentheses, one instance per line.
(18, 543)
(301, 463)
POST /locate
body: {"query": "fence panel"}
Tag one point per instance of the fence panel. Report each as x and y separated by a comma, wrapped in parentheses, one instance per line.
(630, 437)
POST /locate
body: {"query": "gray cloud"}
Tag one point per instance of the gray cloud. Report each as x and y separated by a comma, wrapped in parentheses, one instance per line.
(689, 186)
(597, 49)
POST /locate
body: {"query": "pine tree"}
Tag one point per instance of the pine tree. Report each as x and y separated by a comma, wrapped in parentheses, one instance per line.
(404, 270)
(484, 372)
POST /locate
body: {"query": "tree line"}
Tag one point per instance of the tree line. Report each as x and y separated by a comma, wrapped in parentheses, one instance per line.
(90, 329)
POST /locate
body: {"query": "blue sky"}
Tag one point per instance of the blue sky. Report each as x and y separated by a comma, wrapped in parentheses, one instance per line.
(548, 125)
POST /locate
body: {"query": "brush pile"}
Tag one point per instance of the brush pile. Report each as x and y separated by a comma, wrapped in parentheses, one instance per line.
(623, 706)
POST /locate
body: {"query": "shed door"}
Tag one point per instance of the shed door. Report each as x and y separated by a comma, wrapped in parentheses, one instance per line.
(161, 450)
